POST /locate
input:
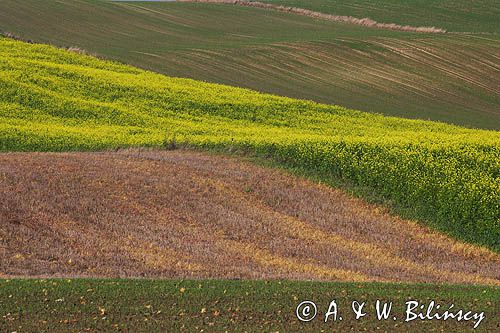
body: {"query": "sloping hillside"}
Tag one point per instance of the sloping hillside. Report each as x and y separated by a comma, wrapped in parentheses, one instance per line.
(446, 77)
(144, 213)
(57, 100)
(132, 201)
(478, 16)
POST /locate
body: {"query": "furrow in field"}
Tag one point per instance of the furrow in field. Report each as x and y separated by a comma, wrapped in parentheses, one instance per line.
(293, 268)
(381, 70)
(366, 247)
(428, 55)
(67, 245)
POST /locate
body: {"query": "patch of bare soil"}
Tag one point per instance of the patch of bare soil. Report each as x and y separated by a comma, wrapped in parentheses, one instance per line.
(174, 214)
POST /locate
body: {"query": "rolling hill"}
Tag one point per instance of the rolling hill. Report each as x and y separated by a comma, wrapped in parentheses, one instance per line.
(55, 100)
(446, 77)
(179, 214)
(479, 16)
(118, 211)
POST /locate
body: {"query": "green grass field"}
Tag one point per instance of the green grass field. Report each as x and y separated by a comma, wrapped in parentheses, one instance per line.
(445, 77)
(454, 16)
(54, 100)
(231, 306)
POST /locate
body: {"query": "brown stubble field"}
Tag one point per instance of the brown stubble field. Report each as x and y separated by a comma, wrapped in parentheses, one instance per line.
(183, 214)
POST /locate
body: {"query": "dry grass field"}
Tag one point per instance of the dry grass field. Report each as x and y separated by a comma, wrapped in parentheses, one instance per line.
(182, 214)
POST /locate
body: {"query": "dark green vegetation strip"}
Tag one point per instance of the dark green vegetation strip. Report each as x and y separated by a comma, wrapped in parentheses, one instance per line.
(52, 100)
(233, 306)
(451, 78)
(453, 15)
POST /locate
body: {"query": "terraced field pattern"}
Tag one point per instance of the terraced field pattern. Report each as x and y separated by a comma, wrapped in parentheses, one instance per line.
(448, 77)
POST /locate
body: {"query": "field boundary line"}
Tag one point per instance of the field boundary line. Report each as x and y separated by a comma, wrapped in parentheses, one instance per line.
(367, 22)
